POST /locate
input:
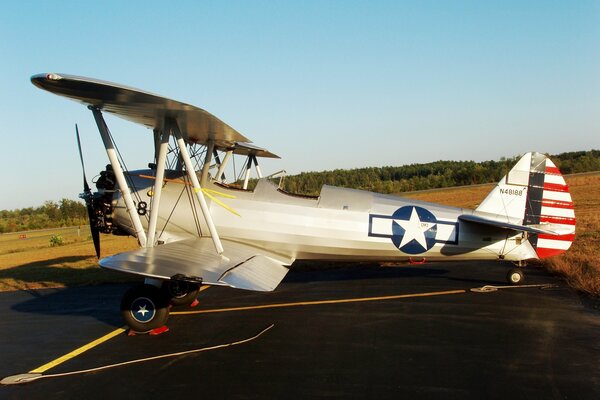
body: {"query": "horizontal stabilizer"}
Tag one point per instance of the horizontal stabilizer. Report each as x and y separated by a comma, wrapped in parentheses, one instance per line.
(241, 266)
(543, 228)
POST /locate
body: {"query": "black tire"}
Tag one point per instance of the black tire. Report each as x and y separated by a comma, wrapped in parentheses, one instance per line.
(181, 293)
(515, 276)
(145, 307)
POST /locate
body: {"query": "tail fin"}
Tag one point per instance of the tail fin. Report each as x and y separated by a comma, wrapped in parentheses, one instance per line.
(535, 194)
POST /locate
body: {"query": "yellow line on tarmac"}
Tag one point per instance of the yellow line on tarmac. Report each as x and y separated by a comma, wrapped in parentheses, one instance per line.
(320, 302)
(117, 332)
(85, 348)
(77, 352)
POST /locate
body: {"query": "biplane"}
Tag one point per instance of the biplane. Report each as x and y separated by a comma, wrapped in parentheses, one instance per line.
(195, 227)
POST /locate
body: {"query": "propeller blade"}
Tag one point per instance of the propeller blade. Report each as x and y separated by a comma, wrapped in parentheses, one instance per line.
(94, 230)
(88, 197)
(86, 187)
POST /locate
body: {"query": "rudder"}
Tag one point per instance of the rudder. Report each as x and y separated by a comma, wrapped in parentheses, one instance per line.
(534, 193)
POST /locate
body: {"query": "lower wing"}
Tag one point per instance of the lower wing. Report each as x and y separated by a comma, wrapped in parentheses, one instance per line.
(240, 266)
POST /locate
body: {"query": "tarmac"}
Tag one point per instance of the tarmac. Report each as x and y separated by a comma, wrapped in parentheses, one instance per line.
(353, 331)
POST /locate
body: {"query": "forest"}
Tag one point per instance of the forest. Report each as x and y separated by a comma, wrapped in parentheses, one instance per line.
(406, 178)
(49, 215)
(438, 174)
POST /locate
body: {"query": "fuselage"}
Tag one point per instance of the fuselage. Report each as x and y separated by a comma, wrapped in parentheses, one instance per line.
(340, 224)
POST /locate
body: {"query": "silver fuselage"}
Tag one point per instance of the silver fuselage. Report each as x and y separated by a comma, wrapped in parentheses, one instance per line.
(341, 224)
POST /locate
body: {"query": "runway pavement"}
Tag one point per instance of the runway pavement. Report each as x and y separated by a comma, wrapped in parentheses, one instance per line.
(358, 331)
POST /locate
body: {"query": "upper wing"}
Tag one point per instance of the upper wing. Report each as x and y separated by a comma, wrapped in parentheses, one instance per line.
(196, 124)
(247, 149)
(240, 266)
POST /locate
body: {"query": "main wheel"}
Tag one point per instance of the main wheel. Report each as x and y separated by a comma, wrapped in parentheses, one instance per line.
(181, 293)
(145, 307)
(515, 276)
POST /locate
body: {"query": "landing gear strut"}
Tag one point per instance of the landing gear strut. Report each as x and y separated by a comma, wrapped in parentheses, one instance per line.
(145, 308)
(181, 293)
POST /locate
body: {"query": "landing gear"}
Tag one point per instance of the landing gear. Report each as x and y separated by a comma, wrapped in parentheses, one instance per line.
(145, 308)
(181, 293)
(515, 276)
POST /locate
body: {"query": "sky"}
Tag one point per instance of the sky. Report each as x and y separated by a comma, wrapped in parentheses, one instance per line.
(323, 84)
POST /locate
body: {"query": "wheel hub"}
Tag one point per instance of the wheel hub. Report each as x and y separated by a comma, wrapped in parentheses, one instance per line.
(143, 310)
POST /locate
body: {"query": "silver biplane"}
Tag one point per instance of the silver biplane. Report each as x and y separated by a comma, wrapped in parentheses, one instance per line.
(194, 228)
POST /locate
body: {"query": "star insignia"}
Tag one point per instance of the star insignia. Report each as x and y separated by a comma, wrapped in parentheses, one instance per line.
(414, 229)
(143, 310)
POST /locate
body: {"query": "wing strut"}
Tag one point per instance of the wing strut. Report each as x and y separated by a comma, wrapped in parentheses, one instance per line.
(163, 147)
(114, 161)
(251, 160)
(210, 148)
(220, 173)
(197, 188)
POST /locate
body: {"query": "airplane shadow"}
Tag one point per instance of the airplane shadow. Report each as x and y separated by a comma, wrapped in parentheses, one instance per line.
(83, 291)
(309, 271)
(99, 302)
(102, 301)
(466, 272)
(59, 272)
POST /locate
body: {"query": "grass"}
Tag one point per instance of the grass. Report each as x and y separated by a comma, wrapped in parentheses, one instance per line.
(25, 241)
(30, 263)
(464, 196)
(580, 265)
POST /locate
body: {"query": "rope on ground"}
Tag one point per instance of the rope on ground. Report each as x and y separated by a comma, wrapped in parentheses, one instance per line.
(492, 288)
(26, 378)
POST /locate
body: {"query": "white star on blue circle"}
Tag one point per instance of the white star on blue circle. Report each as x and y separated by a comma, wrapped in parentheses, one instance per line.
(413, 229)
(142, 309)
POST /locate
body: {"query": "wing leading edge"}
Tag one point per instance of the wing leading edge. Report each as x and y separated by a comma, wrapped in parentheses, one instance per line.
(241, 266)
(150, 110)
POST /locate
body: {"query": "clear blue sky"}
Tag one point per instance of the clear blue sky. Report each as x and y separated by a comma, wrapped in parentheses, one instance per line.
(323, 84)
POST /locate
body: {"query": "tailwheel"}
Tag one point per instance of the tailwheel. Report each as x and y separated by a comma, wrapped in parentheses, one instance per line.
(515, 276)
(181, 293)
(145, 308)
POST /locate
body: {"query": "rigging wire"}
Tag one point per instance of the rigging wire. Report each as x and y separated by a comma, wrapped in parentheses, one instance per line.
(124, 166)
(171, 213)
(198, 153)
(233, 161)
(172, 154)
(191, 197)
(243, 171)
(25, 378)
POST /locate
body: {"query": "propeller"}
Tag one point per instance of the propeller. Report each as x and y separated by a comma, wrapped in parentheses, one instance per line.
(89, 197)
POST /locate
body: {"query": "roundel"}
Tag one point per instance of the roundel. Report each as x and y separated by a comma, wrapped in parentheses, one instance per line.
(413, 229)
(143, 310)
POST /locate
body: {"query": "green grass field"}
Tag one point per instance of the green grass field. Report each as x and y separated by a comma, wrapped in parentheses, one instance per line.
(20, 242)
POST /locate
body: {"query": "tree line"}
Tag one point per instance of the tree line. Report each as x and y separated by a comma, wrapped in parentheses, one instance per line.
(438, 174)
(406, 178)
(49, 215)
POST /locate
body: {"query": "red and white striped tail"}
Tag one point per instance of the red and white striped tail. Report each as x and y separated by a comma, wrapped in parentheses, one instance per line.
(556, 209)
